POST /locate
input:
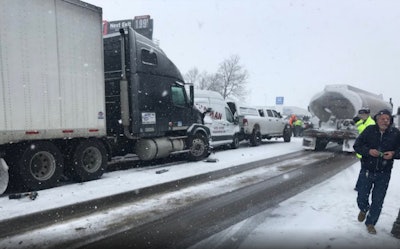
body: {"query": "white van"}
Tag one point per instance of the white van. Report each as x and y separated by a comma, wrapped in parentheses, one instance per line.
(223, 126)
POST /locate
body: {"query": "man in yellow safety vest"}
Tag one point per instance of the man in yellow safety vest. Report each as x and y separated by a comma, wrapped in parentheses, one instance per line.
(362, 120)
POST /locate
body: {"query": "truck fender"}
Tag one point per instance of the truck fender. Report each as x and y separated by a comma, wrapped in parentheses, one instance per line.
(194, 128)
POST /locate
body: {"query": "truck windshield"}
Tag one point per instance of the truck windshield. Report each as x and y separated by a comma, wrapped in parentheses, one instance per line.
(178, 96)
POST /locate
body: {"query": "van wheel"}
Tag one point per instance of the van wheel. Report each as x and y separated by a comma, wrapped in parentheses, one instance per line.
(255, 139)
(87, 161)
(40, 166)
(235, 142)
(198, 146)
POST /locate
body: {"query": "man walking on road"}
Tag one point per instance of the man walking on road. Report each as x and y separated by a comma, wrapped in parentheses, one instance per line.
(378, 145)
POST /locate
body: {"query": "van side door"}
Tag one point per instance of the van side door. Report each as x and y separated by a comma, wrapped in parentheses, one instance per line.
(231, 127)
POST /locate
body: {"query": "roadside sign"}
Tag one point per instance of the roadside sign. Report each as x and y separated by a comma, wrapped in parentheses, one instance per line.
(141, 24)
(279, 100)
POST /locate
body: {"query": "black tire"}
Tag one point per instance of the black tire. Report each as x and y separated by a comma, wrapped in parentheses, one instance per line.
(87, 161)
(287, 134)
(320, 144)
(40, 166)
(198, 147)
(236, 142)
(255, 139)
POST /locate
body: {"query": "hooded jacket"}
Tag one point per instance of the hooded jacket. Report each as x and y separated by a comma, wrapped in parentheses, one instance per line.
(372, 138)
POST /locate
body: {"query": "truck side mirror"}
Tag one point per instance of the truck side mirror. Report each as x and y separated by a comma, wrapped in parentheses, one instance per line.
(191, 94)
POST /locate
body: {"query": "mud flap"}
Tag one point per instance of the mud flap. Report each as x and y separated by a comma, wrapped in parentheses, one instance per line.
(4, 177)
(348, 145)
(309, 143)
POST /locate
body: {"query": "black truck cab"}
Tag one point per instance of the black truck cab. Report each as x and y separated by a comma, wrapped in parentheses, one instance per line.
(146, 100)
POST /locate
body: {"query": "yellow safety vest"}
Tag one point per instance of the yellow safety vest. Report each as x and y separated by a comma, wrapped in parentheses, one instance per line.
(361, 125)
(298, 122)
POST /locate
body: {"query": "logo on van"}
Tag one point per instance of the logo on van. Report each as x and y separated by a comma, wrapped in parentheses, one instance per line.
(212, 114)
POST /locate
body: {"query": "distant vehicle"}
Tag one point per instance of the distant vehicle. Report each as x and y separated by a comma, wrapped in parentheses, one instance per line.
(71, 100)
(218, 118)
(335, 107)
(260, 123)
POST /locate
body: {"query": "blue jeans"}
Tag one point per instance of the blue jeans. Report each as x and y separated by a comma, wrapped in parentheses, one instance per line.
(378, 182)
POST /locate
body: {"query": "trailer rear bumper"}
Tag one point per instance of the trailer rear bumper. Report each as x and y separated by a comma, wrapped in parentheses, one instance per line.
(309, 143)
(348, 145)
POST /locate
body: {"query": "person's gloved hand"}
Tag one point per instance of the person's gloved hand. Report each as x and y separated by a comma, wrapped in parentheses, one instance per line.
(356, 119)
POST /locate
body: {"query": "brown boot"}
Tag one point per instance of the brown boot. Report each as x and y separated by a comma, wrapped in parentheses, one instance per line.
(361, 216)
(371, 229)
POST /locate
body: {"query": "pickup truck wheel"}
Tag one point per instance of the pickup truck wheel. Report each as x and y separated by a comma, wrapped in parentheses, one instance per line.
(235, 142)
(255, 139)
(287, 134)
(87, 161)
(40, 166)
(198, 147)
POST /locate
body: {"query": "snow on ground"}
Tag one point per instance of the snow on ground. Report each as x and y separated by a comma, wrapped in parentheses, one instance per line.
(136, 178)
(324, 216)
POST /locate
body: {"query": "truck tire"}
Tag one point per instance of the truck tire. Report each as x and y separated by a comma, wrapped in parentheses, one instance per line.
(40, 166)
(255, 138)
(235, 142)
(287, 135)
(320, 144)
(198, 147)
(87, 161)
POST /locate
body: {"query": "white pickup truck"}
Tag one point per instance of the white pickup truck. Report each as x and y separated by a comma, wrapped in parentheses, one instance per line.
(260, 123)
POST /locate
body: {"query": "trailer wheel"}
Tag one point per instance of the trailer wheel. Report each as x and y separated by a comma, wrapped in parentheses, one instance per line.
(320, 144)
(255, 139)
(198, 147)
(40, 166)
(235, 142)
(87, 161)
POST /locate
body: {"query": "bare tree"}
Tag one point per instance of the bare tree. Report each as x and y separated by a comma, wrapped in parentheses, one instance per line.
(192, 76)
(230, 80)
(211, 82)
(233, 78)
(203, 81)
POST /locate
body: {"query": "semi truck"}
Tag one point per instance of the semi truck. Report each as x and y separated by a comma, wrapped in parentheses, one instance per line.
(71, 99)
(335, 107)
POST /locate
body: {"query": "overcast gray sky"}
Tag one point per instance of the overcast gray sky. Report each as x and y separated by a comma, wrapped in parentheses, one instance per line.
(290, 48)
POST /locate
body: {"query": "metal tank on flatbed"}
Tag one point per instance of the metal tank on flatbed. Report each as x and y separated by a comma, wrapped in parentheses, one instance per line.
(335, 108)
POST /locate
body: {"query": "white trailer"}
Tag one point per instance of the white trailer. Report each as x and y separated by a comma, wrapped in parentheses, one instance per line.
(72, 99)
(51, 89)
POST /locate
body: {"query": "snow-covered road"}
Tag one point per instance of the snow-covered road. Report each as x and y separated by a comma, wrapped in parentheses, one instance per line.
(321, 217)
